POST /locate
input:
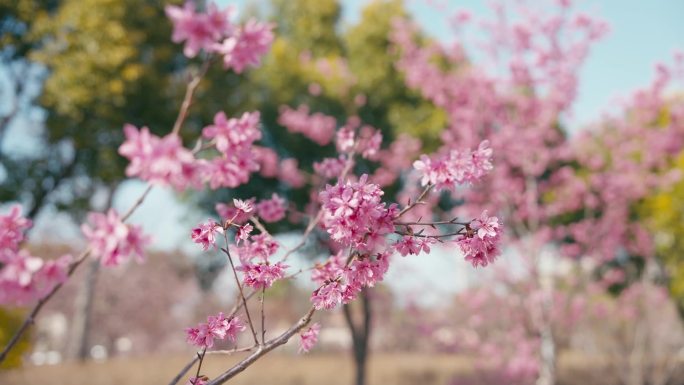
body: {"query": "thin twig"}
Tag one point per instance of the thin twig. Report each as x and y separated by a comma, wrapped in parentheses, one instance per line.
(239, 285)
(416, 202)
(189, 93)
(199, 366)
(185, 369)
(263, 316)
(450, 222)
(262, 350)
(232, 351)
(459, 232)
(259, 225)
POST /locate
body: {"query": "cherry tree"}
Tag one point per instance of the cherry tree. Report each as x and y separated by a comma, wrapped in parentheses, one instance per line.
(561, 195)
(346, 204)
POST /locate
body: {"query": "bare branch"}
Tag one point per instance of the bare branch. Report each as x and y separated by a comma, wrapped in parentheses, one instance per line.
(263, 349)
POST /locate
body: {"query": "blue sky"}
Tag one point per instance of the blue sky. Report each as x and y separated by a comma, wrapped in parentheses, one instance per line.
(643, 32)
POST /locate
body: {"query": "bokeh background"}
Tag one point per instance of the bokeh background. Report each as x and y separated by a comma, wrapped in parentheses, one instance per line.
(72, 72)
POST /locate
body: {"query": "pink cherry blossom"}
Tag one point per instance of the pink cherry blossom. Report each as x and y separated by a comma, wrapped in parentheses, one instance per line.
(113, 241)
(344, 139)
(198, 30)
(233, 214)
(318, 127)
(370, 142)
(480, 244)
(363, 273)
(26, 278)
(413, 245)
(234, 138)
(456, 167)
(330, 270)
(12, 228)
(271, 210)
(262, 275)
(217, 327)
(268, 161)
(162, 161)
(234, 134)
(486, 226)
(328, 296)
(243, 233)
(245, 49)
(243, 206)
(352, 210)
(201, 380)
(205, 234)
(259, 247)
(289, 173)
(330, 168)
(309, 338)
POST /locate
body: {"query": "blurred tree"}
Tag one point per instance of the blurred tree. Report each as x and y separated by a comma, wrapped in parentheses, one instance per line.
(663, 213)
(106, 62)
(10, 321)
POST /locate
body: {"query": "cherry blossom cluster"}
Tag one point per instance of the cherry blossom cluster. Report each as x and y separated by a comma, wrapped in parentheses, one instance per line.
(341, 278)
(309, 338)
(24, 277)
(234, 139)
(445, 171)
(213, 32)
(218, 327)
(252, 250)
(318, 127)
(480, 243)
(206, 233)
(164, 161)
(362, 139)
(113, 241)
(158, 160)
(271, 210)
(355, 216)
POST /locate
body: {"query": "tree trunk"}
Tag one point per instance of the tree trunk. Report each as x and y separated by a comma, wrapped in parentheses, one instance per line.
(547, 369)
(82, 314)
(84, 301)
(360, 333)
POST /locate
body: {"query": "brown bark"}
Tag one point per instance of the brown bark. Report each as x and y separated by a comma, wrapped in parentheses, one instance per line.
(360, 334)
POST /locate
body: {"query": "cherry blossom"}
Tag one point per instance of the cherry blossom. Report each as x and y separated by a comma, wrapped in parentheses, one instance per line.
(309, 338)
(271, 210)
(217, 327)
(162, 161)
(318, 127)
(205, 234)
(113, 241)
(245, 49)
(12, 228)
(198, 30)
(262, 275)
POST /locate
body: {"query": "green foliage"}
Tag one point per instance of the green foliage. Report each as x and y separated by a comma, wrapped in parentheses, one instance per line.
(372, 61)
(663, 214)
(10, 321)
(110, 62)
